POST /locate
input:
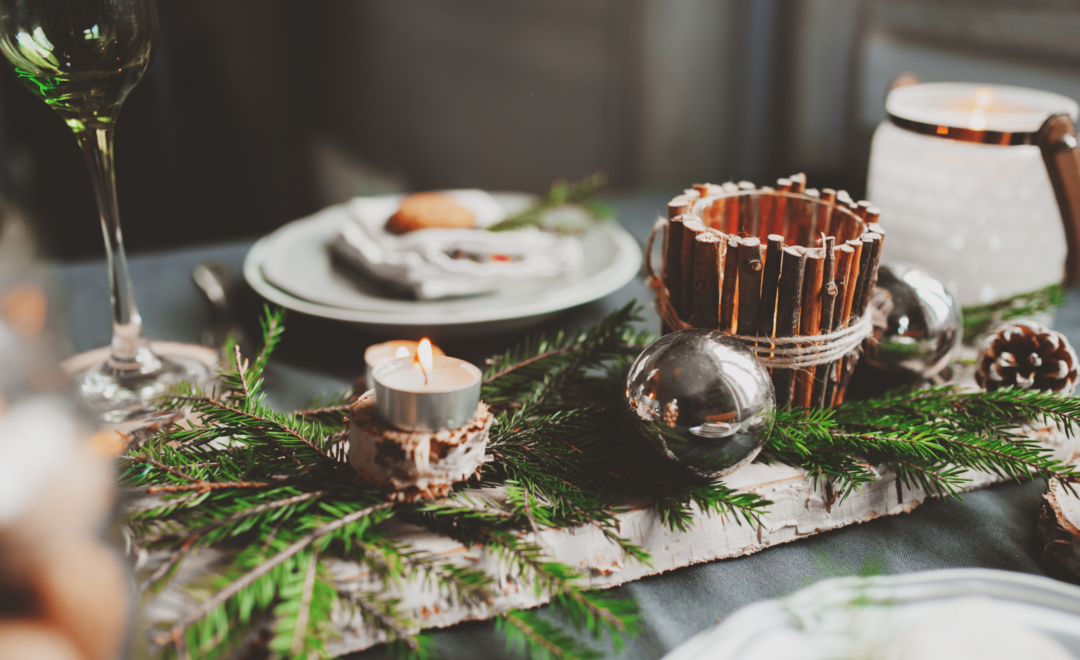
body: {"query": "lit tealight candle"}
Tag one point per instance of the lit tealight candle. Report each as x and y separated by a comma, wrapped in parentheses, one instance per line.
(426, 392)
(379, 353)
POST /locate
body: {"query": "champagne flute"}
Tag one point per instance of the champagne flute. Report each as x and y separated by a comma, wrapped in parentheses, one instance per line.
(83, 57)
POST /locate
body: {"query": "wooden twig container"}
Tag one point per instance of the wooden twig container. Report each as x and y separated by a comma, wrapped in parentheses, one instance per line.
(772, 262)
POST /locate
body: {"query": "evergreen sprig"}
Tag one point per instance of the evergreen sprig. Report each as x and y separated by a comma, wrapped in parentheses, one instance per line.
(927, 438)
(581, 194)
(272, 492)
(980, 320)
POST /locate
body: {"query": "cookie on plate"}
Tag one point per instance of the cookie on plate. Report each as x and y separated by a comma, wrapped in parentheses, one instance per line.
(428, 210)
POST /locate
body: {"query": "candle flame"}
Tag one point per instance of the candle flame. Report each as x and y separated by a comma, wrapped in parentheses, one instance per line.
(423, 354)
(977, 121)
(424, 358)
(401, 352)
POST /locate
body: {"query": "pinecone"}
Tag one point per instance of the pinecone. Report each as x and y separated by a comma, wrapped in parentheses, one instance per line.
(1027, 356)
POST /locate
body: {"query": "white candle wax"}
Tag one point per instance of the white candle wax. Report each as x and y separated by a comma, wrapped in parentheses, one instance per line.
(977, 107)
(446, 374)
(379, 353)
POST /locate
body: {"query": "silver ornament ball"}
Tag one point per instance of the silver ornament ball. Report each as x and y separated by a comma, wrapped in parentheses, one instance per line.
(703, 399)
(922, 323)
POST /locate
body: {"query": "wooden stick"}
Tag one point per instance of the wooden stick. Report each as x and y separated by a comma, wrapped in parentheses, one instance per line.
(778, 224)
(702, 189)
(673, 260)
(680, 205)
(798, 182)
(872, 245)
(731, 217)
(875, 241)
(788, 304)
(713, 215)
(828, 199)
(858, 305)
(672, 247)
(862, 281)
(750, 267)
(747, 211)
(809, 320)
(846, 259)
(862, 208)
(804, 235)
(763, 217)
(872, 215)
(770, 279)
(828, 301)
(852, 281)
(728, 291)
(850, 290)
(691, 228)
(706, 308)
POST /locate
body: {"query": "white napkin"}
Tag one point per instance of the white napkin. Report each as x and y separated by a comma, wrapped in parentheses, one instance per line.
(419, 263)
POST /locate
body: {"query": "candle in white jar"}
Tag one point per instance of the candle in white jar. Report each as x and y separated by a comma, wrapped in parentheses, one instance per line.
(426, 392)
(379, 353)
(964, 191)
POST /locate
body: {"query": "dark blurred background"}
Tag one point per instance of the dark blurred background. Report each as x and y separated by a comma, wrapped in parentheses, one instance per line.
(257, 112)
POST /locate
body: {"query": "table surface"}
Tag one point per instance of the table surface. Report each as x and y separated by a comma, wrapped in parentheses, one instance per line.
(993, 528)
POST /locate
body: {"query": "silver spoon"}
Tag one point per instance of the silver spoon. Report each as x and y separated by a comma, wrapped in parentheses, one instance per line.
(214, 280)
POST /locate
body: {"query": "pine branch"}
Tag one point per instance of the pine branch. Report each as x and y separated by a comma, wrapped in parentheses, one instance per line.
(276, 487)
(538, 639)
(268, 419)
(236, 517)
(581, 194)
(979, 320)
(383, 613)
(926, 437)
(247, 579)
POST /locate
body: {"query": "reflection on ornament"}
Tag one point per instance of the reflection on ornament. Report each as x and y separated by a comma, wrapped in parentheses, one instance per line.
(919, 328)
(702, 398)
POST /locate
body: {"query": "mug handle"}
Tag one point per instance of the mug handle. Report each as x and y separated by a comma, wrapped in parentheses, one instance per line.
(1058, 142)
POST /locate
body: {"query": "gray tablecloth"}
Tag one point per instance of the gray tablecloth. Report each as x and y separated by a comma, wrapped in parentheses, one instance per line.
(993, 528)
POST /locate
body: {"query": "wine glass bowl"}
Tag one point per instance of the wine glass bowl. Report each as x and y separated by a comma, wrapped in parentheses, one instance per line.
(83, 57)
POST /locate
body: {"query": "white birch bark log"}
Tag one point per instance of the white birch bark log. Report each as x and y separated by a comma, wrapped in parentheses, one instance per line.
(799, 510)
(1059, 524)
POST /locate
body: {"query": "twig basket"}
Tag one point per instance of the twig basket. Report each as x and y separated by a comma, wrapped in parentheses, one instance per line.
(768, 265)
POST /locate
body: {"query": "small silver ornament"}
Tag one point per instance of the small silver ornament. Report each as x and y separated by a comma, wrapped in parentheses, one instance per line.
(704, 399)
(919, 329)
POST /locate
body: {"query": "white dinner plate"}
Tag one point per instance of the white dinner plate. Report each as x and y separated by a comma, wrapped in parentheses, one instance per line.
(293, 267)
(954, 613)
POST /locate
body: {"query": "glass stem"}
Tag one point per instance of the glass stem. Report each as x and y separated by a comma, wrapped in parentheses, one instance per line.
(130, 350)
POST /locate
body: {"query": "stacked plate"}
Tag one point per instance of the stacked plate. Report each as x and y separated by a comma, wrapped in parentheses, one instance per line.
(294, 267)
(956, 614)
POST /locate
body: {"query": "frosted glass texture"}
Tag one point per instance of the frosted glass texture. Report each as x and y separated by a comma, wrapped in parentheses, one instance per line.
(982, 218)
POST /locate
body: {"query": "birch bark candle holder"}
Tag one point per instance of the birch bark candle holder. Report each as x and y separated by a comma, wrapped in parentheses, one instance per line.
(414, 465)
(771, 266)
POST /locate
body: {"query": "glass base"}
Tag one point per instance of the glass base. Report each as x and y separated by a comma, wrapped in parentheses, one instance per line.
(121, 395)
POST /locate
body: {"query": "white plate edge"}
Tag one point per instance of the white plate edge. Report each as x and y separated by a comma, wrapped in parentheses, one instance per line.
(623, 269)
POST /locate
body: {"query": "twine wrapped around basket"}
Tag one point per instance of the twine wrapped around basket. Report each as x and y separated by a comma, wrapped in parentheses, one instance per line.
(788, 270)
